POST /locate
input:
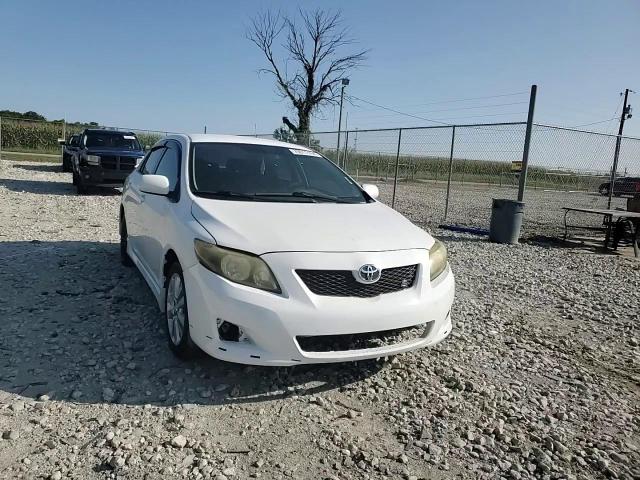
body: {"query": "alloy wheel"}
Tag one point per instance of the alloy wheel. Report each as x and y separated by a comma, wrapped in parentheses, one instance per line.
(175, 307)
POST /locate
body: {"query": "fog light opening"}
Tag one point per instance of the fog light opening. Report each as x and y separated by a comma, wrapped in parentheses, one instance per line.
(230, 332)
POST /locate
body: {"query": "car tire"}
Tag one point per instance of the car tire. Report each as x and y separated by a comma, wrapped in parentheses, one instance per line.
(604, 191)
(176, 314)
(80, 186)
(125, 259)
(66, 167)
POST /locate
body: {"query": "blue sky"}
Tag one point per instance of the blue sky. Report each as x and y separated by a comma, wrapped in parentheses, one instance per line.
(180, 65)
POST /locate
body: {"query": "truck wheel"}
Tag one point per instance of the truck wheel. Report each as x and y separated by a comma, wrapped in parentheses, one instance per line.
(125, 259)
(80, 186)
(176, 314)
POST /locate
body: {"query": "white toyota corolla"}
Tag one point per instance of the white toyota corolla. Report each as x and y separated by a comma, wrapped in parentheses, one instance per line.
(266, 253)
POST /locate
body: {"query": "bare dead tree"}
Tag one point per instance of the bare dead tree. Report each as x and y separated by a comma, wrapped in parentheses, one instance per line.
(315, 48)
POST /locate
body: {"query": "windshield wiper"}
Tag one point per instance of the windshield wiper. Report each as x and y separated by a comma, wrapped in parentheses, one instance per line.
(226, 194)
(309, 195)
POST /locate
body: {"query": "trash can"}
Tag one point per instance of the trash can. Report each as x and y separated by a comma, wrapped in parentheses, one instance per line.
(506, 220)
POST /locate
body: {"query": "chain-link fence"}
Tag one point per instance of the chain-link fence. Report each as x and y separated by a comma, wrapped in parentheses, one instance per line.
(441, 174)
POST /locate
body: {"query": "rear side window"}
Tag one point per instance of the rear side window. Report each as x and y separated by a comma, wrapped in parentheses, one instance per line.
(151, 164)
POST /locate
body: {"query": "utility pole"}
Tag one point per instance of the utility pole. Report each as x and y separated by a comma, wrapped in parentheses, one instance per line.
(626, 113)
(527, 143)
(345, 82)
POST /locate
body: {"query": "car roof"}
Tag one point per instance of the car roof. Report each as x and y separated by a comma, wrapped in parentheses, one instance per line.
(104, 130)
(247, 140)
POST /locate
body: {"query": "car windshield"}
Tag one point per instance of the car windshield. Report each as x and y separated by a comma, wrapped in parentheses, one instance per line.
(246, 172)
(121, 141)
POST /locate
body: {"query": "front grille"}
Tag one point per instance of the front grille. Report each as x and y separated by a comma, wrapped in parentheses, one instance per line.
(127, 164)
(111, 162)
(341, 283)
(361, 341)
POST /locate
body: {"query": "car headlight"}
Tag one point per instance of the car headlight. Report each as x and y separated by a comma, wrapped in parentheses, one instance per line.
(93, 159)
(437, 259)
(239, 267)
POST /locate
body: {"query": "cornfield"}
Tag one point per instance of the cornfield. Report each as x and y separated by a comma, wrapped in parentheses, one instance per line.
(30, 136)
(27, 136)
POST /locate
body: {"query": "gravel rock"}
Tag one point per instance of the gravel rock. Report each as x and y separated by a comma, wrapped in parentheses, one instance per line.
(179, 441)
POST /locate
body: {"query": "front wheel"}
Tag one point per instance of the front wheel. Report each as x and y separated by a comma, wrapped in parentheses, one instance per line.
(81, 188)
(604, 191)
(177, 315)
(66, 163)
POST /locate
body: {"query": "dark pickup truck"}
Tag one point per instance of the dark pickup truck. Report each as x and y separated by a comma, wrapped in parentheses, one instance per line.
(103, 158)
(622, 186)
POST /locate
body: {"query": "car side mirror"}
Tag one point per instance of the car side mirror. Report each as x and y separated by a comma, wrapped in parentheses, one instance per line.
(62, 142)
(371, 190)
(146, 148)
(155, 184)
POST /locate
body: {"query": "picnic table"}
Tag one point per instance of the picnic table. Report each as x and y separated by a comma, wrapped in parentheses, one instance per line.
(612, 218)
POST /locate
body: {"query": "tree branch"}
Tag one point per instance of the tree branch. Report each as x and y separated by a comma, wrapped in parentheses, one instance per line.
(314, 46)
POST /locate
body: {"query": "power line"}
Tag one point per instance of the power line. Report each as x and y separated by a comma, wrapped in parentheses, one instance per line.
(470, 98)
(448, 109)
(467, 116)
(396, 111)
(603, 121)
(594, 123)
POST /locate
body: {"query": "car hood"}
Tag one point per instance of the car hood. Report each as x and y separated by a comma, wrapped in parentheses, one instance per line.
(263, 227)
(115, 152)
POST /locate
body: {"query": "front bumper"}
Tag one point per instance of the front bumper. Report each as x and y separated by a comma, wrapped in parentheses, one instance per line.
(272, 322)
(97, 176)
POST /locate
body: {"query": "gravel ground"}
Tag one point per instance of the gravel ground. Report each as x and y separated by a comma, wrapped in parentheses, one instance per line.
(540, 378)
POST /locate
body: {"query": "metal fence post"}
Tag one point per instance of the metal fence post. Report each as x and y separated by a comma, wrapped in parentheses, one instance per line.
(64, 137)
(344, 152)
(395, 177)
(527, 143)
(446, 202)
(0, 138)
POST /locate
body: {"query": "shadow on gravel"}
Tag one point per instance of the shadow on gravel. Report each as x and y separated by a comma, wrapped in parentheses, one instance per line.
(43, 167)
(54, 188)
(466, 239)
(36, 186)
(80, 327)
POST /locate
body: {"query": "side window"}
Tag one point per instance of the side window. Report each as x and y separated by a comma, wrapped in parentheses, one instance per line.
(73, 141)
(170, 165)
(152, 161)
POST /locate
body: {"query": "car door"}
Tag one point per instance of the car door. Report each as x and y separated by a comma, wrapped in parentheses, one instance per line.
(73, 145)
(158, 211)
(133, 202)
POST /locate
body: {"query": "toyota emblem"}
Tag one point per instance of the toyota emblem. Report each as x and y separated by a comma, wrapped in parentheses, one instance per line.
(368, 273)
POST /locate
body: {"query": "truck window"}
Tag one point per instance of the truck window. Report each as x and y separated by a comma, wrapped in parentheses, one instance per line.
(108, 140)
